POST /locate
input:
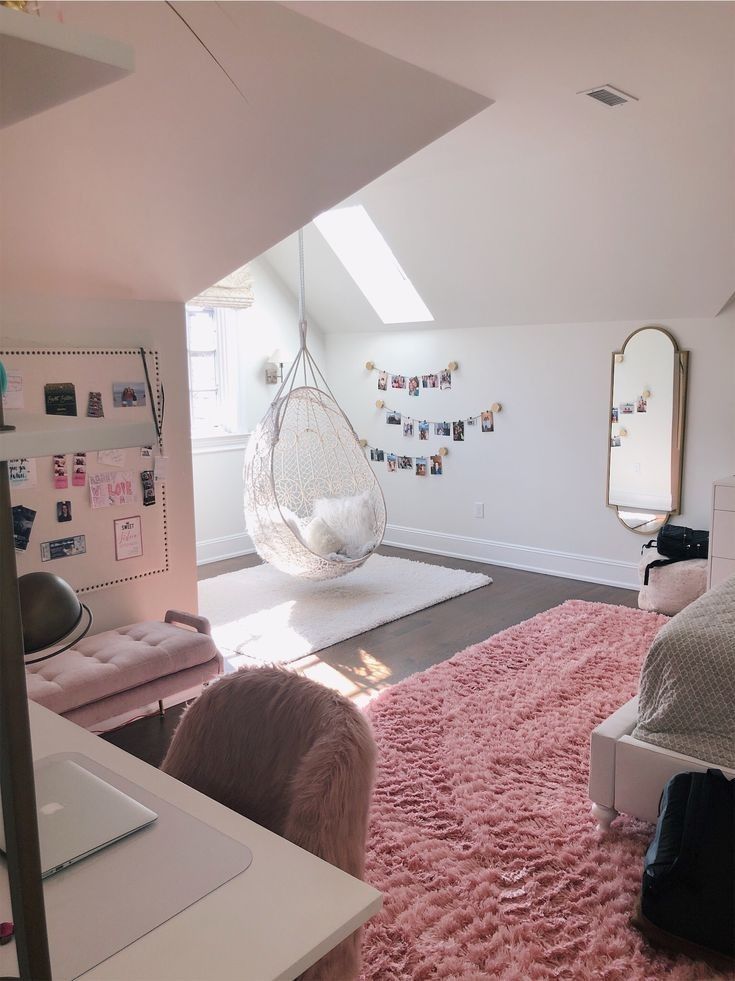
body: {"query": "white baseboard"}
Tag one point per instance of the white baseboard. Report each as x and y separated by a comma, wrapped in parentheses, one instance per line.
(568, 565)
(226, 547)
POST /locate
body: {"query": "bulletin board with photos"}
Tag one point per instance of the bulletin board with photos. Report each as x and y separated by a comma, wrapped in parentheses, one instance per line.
(96, 519)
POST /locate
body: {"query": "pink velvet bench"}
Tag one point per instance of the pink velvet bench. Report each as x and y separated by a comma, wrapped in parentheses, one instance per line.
(120, 670)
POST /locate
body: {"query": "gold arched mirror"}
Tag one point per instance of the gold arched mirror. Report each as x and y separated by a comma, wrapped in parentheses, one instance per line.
(646, 429)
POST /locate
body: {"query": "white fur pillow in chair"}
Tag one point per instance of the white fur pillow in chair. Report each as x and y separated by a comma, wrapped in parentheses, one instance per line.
(350, 519)
(320, 538)
(292, 521)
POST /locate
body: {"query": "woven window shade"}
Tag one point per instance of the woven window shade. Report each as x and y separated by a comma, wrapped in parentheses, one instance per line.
(234, 291)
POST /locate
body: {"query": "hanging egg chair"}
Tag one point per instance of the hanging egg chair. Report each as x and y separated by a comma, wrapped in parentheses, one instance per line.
(313, 506)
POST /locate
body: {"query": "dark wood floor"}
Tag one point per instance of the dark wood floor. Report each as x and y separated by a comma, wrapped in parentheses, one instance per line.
(364, 664)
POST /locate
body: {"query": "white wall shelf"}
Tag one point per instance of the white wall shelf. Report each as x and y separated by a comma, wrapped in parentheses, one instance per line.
(43, 64)
(43, 435)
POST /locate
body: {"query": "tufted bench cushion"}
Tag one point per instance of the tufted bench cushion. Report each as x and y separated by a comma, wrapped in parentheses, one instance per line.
(126, 668)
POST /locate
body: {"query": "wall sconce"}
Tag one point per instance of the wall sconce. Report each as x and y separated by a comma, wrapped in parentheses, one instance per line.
(274, 366)
(496, 407)
(622, 431)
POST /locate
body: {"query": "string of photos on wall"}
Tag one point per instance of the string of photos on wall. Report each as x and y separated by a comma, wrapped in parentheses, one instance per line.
(412, 426)
(432, 464)
(441, 379)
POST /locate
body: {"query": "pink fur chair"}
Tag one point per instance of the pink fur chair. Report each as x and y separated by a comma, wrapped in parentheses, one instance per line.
(293, 756)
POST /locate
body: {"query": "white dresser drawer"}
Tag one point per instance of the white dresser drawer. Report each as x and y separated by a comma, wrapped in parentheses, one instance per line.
(722, 569)
(723, 535)
(724, 497)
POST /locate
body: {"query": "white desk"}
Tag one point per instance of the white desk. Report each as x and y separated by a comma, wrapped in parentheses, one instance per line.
(272, 921)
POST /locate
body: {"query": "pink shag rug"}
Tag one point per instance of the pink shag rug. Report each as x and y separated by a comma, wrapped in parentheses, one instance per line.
(481, 837)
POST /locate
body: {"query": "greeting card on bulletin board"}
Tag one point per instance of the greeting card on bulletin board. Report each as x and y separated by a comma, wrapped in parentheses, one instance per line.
(128, 538)
(86, 525)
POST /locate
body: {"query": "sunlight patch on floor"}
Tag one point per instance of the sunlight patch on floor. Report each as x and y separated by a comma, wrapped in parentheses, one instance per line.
(372, 669)
(360, 683)
(265, 634)
(325, 674)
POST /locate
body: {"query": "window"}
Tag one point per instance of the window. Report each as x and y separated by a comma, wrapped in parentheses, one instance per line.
(204, 385)
(358, 244)
(212, 382)
(214, 327)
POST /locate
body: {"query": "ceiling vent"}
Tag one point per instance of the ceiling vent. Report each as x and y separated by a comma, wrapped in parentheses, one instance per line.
(608, 95)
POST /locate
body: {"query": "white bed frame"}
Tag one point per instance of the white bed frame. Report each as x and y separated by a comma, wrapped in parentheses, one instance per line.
(628, 775)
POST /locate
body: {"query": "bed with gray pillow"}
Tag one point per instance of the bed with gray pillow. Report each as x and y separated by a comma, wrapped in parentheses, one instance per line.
(683, 720)
(686, 701)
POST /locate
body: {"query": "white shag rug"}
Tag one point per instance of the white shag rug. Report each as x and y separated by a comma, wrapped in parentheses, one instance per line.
(271, 617)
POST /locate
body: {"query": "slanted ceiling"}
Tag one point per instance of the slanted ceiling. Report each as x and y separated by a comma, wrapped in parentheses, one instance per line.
(552, 207)
(161, 184)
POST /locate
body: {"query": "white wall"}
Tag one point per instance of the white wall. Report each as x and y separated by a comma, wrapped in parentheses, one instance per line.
(99, 323)
(541, 474)
(271, 322)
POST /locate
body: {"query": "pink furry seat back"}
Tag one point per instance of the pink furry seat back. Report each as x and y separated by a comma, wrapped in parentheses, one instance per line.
(293, 756)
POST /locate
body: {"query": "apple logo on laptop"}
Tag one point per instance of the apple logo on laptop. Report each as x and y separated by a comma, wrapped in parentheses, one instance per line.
(51, 808)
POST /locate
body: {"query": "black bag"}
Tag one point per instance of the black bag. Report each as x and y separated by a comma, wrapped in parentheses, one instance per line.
(677, 544)
(688, 893)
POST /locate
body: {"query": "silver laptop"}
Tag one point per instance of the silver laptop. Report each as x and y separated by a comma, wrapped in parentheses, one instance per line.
(78, 814)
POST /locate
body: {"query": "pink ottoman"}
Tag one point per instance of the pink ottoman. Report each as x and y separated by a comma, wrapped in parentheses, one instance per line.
(670, 587)
(119, 670)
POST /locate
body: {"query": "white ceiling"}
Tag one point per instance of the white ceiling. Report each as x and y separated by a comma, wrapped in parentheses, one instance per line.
(551, 207)
(162, 183)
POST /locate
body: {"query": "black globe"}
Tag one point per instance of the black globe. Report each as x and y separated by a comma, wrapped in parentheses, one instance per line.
(50, 610)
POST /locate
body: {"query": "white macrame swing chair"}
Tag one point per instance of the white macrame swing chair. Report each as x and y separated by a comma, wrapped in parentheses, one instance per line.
(313, 506)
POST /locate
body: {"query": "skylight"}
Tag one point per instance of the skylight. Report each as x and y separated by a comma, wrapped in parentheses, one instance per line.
(365, 254)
